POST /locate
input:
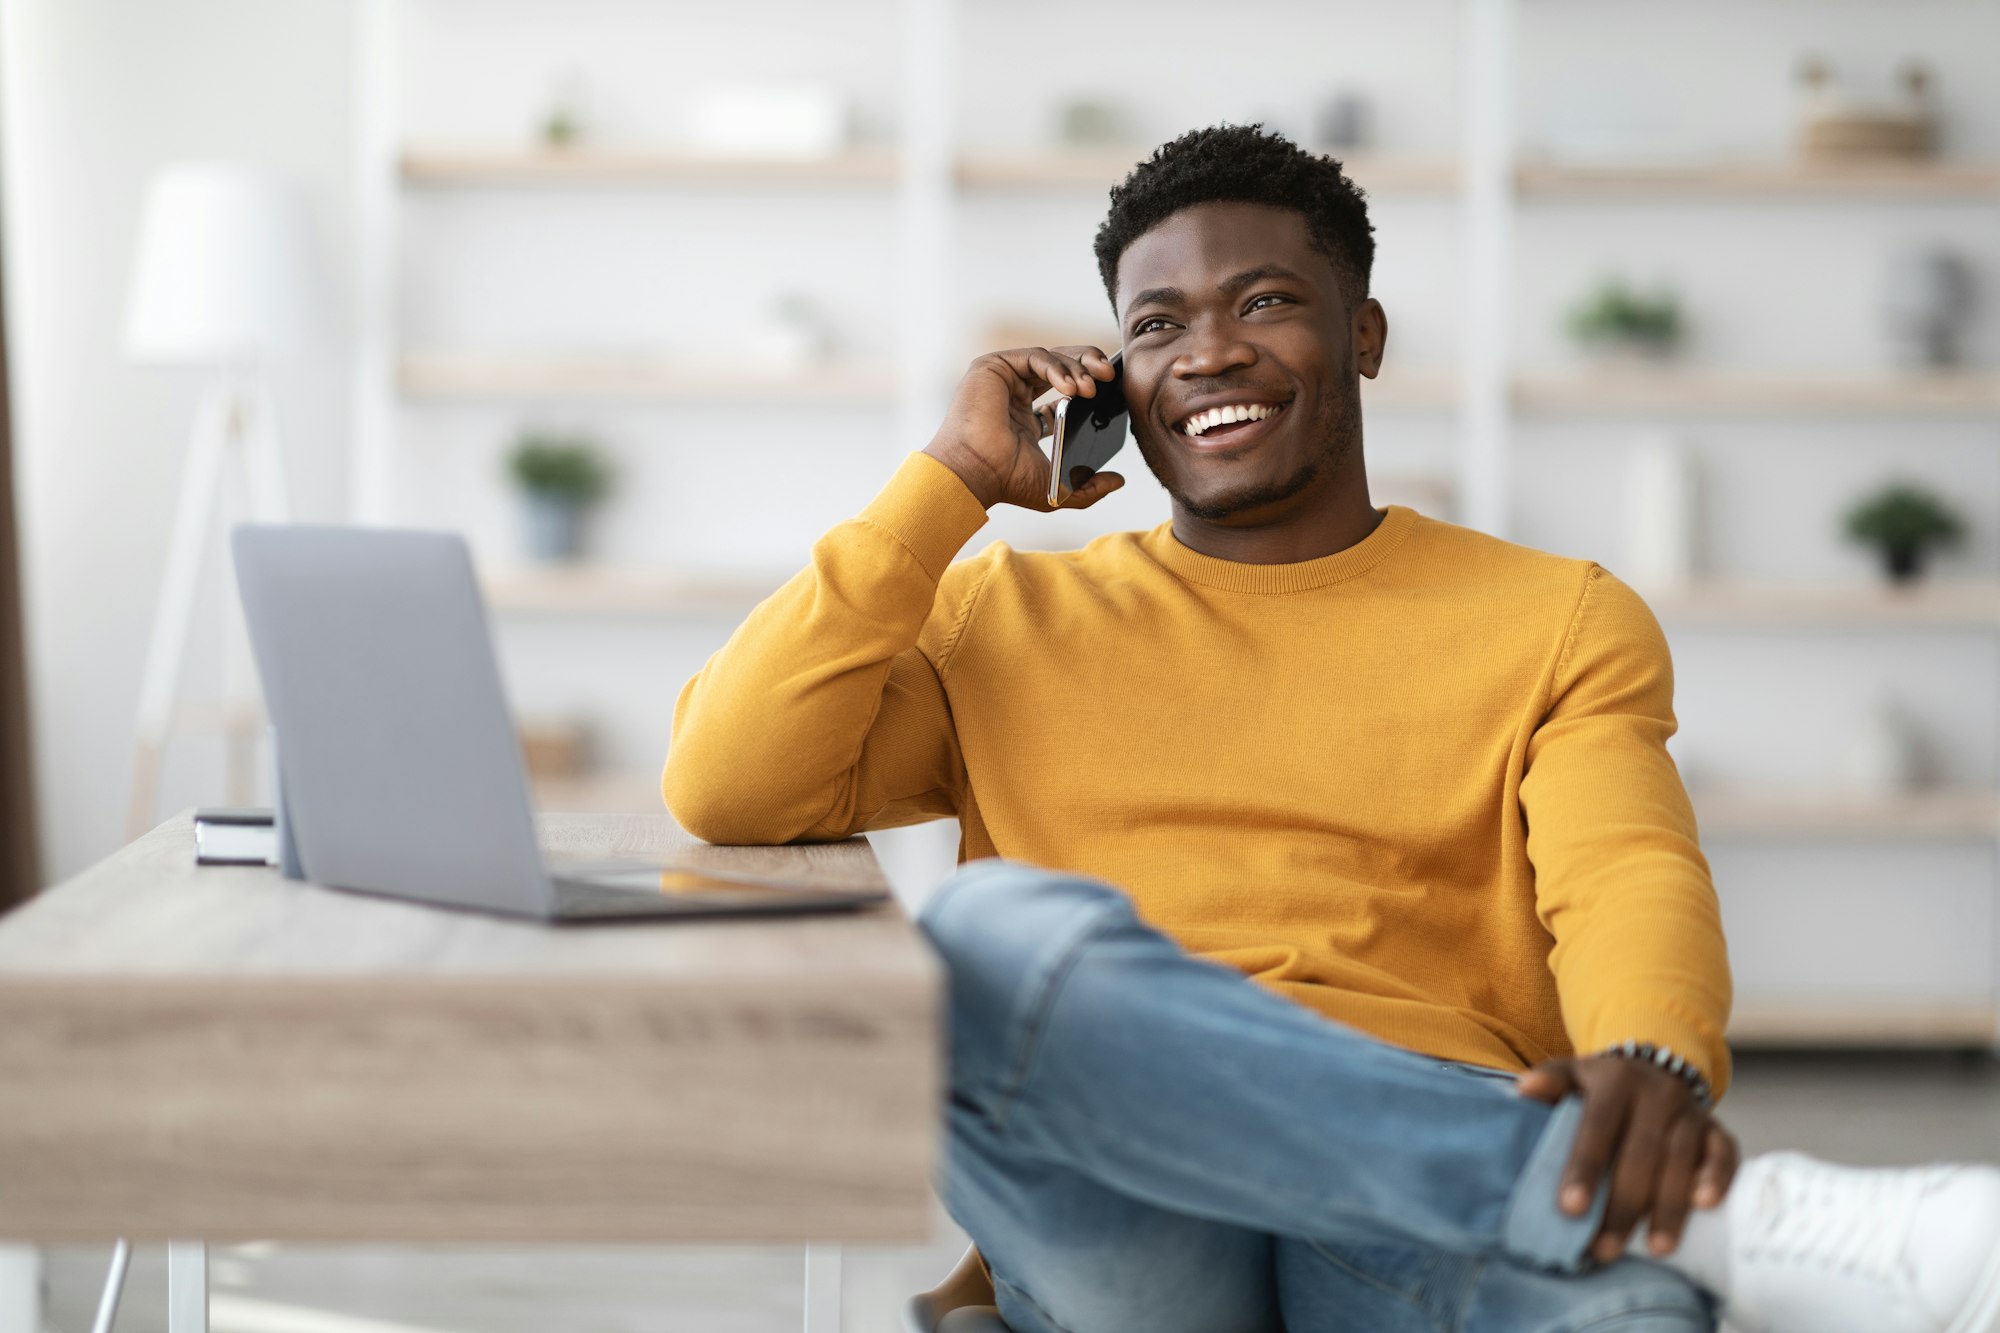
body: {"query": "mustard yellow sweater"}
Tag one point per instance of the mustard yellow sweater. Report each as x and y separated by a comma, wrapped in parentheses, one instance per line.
(1420, 785)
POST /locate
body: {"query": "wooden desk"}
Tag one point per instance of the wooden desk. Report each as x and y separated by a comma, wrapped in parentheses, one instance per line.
(224, 1054)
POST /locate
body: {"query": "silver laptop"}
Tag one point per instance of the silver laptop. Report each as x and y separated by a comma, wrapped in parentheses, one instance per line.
(398, 765)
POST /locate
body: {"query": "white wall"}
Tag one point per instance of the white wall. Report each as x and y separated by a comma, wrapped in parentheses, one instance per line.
(97, 94)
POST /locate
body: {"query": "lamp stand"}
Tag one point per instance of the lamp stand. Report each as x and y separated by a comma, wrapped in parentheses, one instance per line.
(235, 422)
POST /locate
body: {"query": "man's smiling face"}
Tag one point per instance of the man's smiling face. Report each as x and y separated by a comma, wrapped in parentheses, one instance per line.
(1241, 352)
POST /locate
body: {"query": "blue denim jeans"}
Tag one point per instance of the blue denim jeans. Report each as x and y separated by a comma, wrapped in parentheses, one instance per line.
(1141, 1141)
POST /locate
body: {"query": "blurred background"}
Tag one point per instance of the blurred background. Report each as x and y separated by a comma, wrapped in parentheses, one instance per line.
(644, 295)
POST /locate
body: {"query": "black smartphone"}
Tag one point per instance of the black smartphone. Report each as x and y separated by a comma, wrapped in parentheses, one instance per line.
(1088, 431)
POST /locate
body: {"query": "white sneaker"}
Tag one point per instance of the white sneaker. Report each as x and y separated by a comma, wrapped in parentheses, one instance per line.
(1818, 1248)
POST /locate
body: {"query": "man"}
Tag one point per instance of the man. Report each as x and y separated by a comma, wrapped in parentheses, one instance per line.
(1352, 962)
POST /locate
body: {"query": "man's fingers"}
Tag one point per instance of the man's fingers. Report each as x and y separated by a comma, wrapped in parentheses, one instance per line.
(1634, 1173)
(1597, 1136)
(1059, 370)
(1675, 1190)
(1035, 369)
(1093, 360)
(1718, 1167)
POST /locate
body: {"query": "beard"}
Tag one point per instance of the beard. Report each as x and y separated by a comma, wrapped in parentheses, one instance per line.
(1336, 425)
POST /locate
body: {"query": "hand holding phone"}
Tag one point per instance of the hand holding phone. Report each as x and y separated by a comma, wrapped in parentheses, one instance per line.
(995, 432)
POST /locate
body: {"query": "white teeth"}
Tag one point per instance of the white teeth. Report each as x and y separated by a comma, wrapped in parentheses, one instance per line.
(1202, 422)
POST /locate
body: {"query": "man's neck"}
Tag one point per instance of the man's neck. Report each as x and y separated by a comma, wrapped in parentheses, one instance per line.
(1324, 530)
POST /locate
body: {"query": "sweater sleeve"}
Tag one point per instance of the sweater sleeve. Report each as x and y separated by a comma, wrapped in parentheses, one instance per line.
(825, 713)
(1620, 881)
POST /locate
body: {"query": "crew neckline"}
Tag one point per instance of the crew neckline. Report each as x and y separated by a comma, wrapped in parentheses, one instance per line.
(1299, 576)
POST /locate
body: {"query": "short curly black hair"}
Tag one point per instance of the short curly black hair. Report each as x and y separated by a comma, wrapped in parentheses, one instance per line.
(1242, 164)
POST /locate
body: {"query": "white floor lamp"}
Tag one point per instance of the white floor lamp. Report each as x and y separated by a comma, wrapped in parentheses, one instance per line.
(221, 282)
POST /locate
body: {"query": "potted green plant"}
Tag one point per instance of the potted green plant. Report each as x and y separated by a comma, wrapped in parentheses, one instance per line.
(1904, 523)
(563, 123)
(560, 477)
(1616, 319)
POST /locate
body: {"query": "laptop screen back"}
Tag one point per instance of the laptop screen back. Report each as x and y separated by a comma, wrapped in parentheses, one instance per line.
(401, 769)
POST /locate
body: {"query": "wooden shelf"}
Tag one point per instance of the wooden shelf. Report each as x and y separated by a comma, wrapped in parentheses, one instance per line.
(1101, 169)
(614, 166)
(1684, 391)
(599, 793)
(1929, 603)
(1098, 169)
(863, 384)
(586, 589)
(1843, 1023)
(446, 376)
(1918, 814)
(1410, 389)
(1859, 180)
(219, 719)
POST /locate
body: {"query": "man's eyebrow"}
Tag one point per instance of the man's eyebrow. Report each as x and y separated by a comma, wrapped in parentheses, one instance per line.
(1251, 276)
(1159, 296)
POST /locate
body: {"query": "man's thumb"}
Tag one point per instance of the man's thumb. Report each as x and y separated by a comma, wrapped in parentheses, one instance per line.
(1547, 1083)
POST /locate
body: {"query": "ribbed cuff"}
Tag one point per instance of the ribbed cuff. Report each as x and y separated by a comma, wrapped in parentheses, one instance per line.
(927, 508)
(1693, 1038)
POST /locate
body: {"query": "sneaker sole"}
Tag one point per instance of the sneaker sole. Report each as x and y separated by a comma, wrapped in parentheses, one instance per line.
(1982, 1312)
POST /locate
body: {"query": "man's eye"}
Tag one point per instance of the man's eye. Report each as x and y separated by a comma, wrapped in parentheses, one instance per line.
(1268, 296)
(1149, 325)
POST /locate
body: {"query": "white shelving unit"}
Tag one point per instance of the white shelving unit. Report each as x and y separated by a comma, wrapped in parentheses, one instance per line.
(933, 181)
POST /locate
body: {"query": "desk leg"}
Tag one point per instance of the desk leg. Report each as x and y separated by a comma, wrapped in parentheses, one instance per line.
(822, 1289)
(187, 1287)
(114, 1288)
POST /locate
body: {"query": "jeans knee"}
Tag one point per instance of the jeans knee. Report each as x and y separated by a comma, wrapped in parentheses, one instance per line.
(1632, 1296)
(995, 911)
(1673, 1317)
(1008, 934)
(1144, 1272)
(1656, 1299)
(1154, 1309)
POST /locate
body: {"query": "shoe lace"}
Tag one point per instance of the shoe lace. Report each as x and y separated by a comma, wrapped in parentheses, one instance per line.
(1851, 1221)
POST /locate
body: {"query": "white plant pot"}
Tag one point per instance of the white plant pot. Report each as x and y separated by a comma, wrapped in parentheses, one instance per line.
(551, 526)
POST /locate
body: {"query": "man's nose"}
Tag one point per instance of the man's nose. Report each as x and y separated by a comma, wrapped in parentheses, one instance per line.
(1207, 355)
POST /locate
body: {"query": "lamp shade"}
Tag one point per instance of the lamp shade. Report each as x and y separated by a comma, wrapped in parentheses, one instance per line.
(222, 272)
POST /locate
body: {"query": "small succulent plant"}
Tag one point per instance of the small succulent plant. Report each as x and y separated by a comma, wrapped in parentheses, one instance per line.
(1904, 522)
(1615, 315)
(565, 467)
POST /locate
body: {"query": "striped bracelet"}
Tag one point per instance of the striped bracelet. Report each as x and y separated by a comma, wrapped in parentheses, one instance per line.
(1664, 1058)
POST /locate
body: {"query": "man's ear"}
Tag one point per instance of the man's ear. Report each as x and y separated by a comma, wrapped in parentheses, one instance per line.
(1371, 334)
